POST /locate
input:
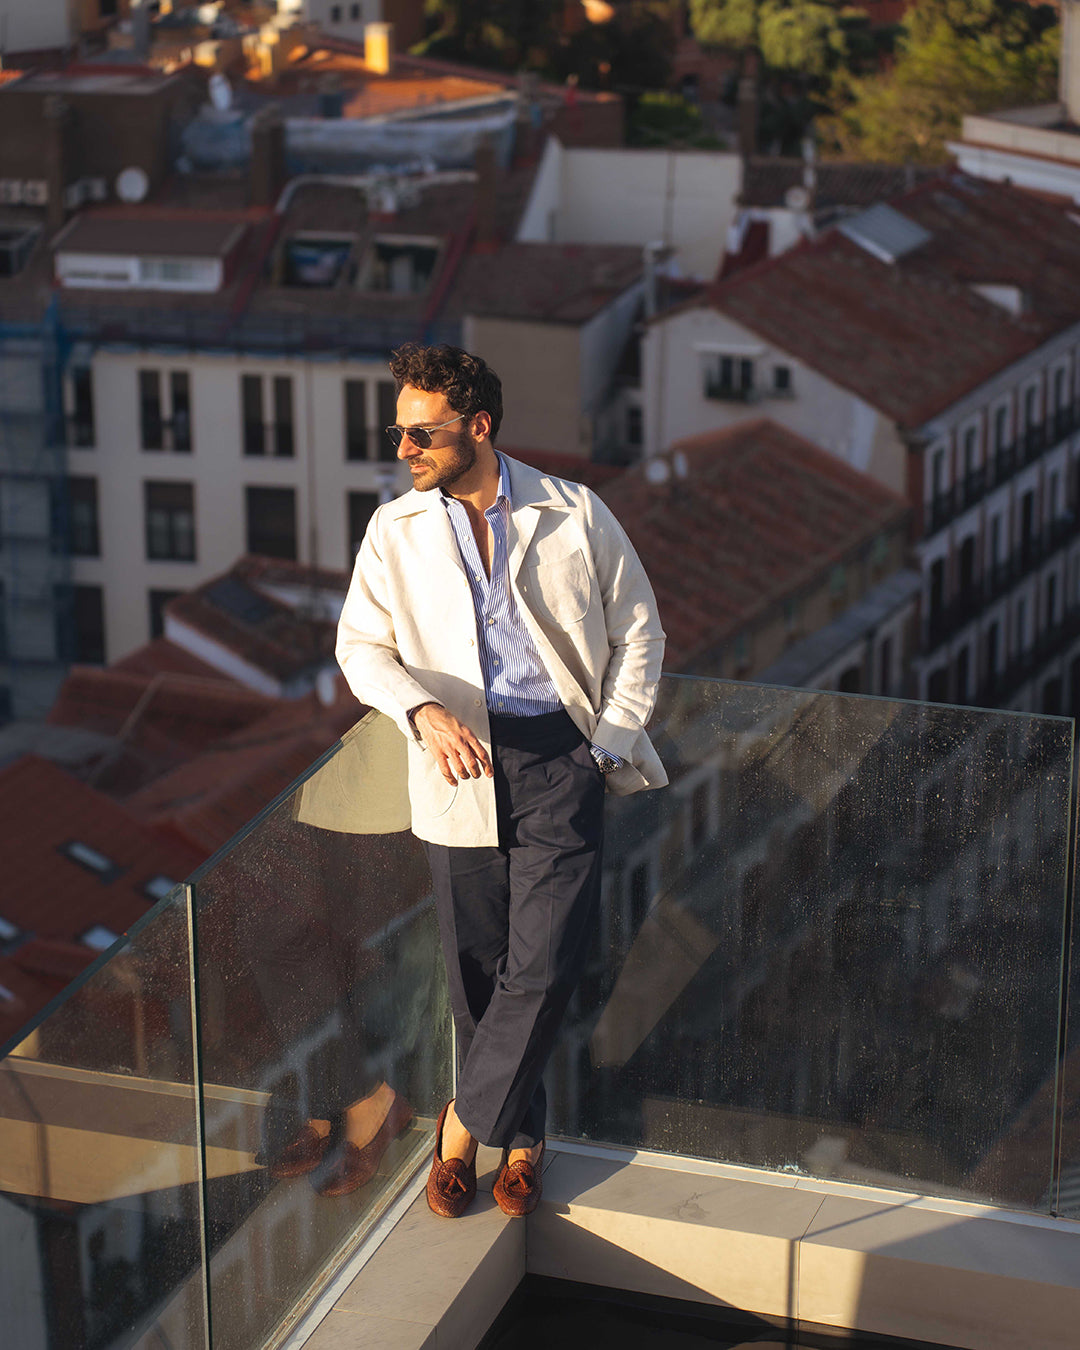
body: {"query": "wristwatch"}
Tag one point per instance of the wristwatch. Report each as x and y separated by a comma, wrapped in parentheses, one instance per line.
(604, 762)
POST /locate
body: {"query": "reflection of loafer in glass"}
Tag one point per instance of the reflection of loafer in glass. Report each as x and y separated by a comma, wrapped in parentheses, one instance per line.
(349, 1166)
(519, 1185)
(302, 1154)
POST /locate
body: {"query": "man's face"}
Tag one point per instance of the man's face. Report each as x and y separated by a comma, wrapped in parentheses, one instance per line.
(452, 452)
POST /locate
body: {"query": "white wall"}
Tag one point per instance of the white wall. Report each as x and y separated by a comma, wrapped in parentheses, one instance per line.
(30, 25)
(674, 353)
(319, 473)
(684, 198)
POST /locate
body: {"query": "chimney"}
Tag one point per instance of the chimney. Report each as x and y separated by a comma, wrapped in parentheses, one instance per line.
(487, 173)
(379, 47)
(1069, 70)
(748, 105)
(57, 118)
(267, 173)
(140, 28)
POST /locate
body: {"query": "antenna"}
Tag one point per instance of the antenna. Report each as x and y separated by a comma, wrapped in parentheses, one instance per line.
(221, 94)
(132, 184)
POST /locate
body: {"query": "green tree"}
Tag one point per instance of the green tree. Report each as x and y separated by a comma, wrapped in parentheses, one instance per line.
(953, 57)
(805, 38)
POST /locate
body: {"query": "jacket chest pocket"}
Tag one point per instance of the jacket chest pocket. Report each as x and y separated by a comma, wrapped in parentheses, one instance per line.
(560, 590)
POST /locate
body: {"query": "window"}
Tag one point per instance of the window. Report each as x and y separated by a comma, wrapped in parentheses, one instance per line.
(356, 439)
(1059, 388)
(937, 473)
(402, 267)
(180, 393)
(82, 521)
(251, 400)
(361, 508)
(1031, 395)
(354, 12)
(271, 521)
(1054, 489)
(170, 521)
(885, 666)
(729, 377)
(107, 9)
(82, 412)
(316, 260)
(151, 423)
(1050, 617)
(158, 600)
(386, 393)
(970, 440)
(1021, 624)
(995, 541)
(335, 13)
(1001, 427)
(284, 445)
(80, 624)
(633, 425)
(782, 380)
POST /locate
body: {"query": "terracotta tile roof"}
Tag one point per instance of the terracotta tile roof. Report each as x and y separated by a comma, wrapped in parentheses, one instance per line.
(55, 899)
(154, 721)
(234, 611)
(205, 802)
(759, 514)
(162, 657)
(176, 234)
(912, 337)
(572, 467)
(554, 283)
(766, 178)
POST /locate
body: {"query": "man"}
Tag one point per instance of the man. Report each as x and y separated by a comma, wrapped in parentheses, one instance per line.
(503, 620)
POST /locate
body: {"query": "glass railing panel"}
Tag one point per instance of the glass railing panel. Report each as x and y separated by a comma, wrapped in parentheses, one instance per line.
(832, 945)
(322, 999)
(101, 1220)
(1059, 1118)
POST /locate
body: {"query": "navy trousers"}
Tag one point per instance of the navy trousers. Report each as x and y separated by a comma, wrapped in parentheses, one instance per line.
(515, 922)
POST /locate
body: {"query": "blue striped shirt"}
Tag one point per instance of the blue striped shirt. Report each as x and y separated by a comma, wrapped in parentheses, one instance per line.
(516, 681)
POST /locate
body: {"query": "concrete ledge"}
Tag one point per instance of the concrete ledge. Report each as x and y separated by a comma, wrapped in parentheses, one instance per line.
(433, 1284)
(783, 1248)
(957, 1273)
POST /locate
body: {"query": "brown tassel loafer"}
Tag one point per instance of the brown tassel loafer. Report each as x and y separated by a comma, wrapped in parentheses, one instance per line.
(451, 1185)
(348, 1167)
(519, 1185)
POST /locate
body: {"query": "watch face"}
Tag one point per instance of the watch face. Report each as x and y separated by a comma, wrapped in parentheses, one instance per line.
(606, 764)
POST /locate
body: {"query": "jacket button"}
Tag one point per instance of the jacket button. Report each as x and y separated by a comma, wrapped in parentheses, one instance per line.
(472, 642)
(478, 702)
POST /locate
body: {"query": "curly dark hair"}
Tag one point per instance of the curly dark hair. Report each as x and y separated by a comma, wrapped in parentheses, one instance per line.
(468, 382)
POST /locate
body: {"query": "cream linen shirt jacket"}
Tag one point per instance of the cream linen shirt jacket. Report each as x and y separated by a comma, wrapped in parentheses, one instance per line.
(407, 635)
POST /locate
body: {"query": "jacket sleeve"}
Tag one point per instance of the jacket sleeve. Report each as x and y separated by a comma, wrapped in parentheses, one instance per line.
(366, 648)
(636, 639)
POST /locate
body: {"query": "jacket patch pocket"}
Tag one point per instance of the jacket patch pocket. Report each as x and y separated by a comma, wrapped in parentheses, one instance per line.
(561, 590)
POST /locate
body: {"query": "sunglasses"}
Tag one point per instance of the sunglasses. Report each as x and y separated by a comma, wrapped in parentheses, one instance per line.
(420, 436)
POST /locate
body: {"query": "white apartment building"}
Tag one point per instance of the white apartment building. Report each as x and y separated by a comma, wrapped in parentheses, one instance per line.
(181, 460)
(923, 346)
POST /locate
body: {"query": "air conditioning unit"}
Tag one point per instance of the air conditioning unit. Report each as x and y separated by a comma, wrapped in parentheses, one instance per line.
(35, 192)
(10, 191)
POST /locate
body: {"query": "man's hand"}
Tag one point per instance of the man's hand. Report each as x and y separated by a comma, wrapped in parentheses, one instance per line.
(458, 752)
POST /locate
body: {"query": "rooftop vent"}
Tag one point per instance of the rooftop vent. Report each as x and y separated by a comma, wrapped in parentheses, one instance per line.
(8, 930)
(884, 233)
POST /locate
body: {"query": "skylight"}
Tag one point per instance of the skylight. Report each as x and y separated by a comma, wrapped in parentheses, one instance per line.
(91, 859)
(884, 233)
(157, 888)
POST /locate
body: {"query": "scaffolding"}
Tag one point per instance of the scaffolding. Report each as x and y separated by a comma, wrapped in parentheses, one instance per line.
(36, 594)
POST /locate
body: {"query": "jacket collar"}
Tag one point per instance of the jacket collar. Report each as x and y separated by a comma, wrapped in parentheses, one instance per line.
(528, 488)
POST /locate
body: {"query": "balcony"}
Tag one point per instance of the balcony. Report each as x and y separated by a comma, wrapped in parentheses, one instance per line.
(819, 1068)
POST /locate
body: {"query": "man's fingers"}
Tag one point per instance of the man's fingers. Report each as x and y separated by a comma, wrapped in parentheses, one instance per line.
(481, 756)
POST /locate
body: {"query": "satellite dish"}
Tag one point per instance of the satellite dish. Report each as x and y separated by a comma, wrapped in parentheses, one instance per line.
(132, 184)
(796, 198)
(326, 686)
(657, 471)
(220, 92)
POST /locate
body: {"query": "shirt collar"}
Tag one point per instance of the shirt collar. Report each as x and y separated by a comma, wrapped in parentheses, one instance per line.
(503, 493)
